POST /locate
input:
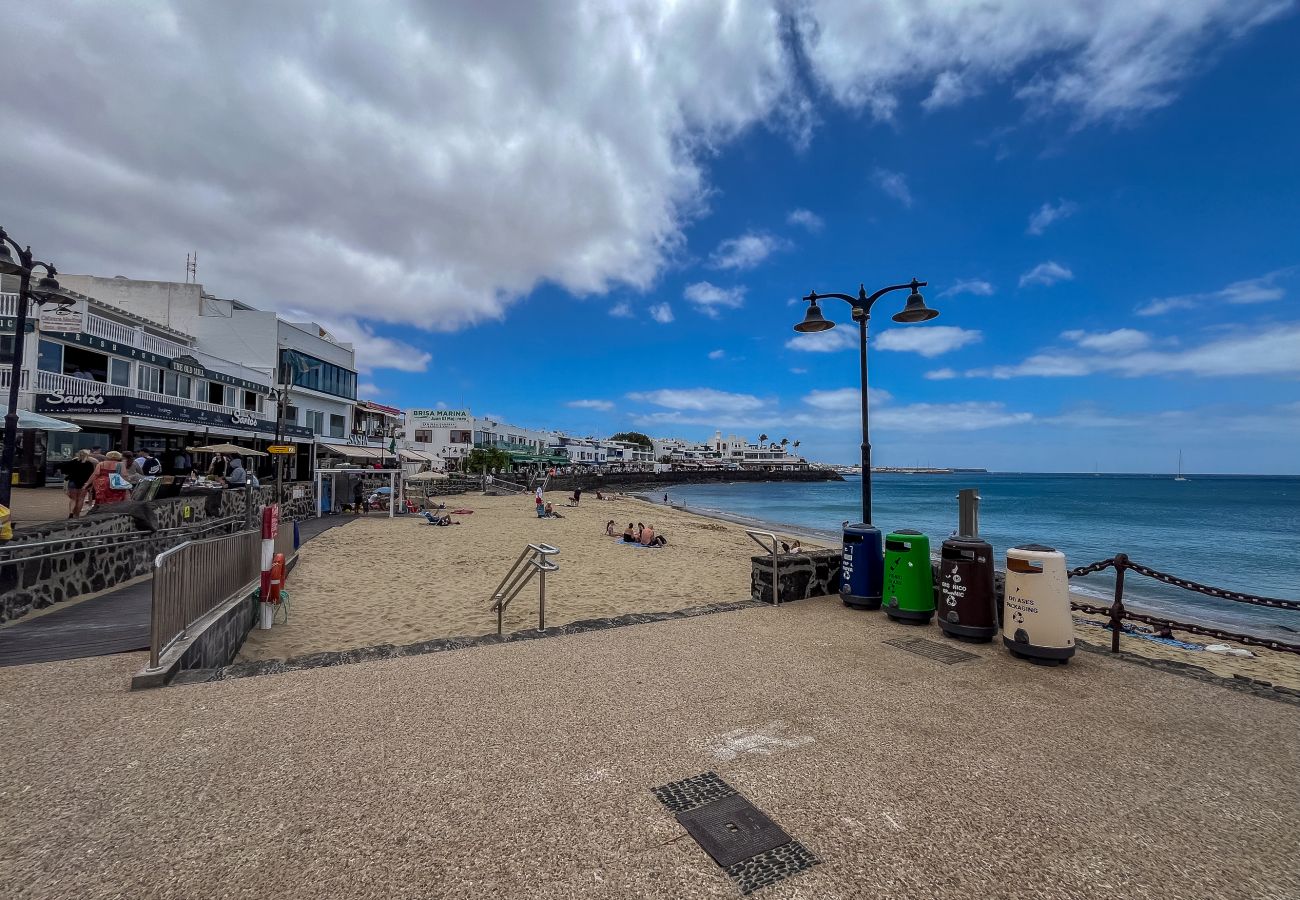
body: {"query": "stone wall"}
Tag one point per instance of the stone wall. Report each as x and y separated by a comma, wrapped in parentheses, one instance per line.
(625, 481)
(90, 566)
(815, 573)
(220, 642)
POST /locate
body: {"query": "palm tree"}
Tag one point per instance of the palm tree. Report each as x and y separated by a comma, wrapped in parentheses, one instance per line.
(796, 445)
(761, 438)
(784, 442)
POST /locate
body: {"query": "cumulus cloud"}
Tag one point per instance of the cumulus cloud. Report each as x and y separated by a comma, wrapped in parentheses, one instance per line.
(746, 251)
(840, 409)
(709, 298)
(336, 162)
(1047, 214)
(697, 399)
(1263, 289)
(375, 351)
(806, 219)
(601, 405)
(661, 313)
(717, 354)
(894, 184)
(621, 310)
(1121, 340)
(941, 374)
(1268, 351)
(974, 286)
(1046, 274)
(845, 399)
(930, 341)
(366, 389)
(842, 338)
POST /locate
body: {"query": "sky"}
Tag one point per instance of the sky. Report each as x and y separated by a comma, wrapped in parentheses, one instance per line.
(602, 216)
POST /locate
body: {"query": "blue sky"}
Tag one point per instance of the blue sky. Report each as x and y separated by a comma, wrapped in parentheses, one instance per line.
(1108, 221)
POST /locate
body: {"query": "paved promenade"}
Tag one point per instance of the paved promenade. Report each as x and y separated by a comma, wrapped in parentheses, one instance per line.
(524, 770)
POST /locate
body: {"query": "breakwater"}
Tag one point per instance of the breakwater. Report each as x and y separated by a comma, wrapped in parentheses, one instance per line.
(625, 481)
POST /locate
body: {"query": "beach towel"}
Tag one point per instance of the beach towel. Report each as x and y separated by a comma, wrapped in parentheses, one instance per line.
(462, 512)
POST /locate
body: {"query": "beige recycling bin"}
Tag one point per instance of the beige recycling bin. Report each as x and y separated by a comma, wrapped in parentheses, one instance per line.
(1036, 621)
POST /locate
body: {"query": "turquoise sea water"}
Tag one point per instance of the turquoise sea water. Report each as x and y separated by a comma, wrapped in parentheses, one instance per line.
(1236, 532)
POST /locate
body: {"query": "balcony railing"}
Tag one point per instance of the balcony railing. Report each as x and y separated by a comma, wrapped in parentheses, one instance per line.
(8, 304)
(5, 375)
(51, 381)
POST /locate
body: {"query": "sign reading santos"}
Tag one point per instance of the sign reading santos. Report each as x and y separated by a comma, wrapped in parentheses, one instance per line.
(67, 403)
(61, 400)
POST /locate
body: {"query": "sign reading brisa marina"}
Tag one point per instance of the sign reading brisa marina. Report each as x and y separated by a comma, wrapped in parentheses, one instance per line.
(432, 418)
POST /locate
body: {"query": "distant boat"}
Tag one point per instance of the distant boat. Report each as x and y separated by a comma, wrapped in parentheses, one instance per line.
(1096, 473)
(1179, 476)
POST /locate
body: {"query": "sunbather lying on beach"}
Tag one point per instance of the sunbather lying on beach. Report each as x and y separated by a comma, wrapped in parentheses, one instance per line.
(438, 520)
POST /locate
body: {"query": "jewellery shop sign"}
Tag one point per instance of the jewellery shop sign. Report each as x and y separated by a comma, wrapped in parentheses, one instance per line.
(89, 403)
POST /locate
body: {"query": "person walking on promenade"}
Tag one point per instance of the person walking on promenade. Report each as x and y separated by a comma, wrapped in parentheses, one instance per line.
(78, 471)
(101, 482)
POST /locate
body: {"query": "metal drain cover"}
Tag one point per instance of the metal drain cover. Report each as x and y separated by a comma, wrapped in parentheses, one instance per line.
(944, 653)
(732, 830)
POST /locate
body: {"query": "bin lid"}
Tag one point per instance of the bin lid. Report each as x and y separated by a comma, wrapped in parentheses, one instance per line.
(1036, 548)
(906, 531)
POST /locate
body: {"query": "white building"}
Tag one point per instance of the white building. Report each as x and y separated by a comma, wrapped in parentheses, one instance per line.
(450, 435)
(318, 371)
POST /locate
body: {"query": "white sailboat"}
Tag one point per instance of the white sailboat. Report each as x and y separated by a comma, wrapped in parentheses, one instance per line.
(1179, 476)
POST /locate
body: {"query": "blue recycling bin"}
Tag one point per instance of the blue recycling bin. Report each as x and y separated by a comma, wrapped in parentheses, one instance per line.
(862, 574)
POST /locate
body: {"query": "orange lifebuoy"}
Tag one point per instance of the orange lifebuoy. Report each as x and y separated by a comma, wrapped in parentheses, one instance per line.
(277, 578)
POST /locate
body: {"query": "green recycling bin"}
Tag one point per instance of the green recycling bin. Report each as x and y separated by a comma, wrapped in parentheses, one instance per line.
(909, 583)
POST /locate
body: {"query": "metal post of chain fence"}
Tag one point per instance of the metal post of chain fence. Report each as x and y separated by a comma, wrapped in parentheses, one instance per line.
(1117, 608)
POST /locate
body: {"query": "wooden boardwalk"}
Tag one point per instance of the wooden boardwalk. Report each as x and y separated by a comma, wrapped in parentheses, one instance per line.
(117, 622)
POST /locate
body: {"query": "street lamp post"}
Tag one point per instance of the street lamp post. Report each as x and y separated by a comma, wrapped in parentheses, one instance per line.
(47, 290)
(814, 322)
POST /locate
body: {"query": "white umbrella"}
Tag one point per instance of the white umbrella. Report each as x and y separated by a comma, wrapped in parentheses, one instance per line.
(44, 423)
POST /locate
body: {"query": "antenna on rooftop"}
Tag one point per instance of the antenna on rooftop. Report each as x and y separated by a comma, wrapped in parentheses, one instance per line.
(192, 267)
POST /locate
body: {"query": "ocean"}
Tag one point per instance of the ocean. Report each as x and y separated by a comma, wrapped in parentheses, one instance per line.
(1228, 531)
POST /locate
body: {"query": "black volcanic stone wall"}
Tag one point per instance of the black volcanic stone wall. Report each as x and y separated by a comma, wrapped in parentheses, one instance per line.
(38, 583)
(219, 643)
(815, 573)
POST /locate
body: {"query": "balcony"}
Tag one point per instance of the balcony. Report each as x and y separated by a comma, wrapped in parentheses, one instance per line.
(48, 382)
(8, 304)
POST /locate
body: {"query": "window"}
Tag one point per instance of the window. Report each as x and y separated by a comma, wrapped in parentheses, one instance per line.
(252, 401)
(317, 375)
(119, 372)
(316, 421)
(336, 426)
(49, 357)
(6, 348)
(149, 378)
(424, 436)
(290, 414)
(176, 384)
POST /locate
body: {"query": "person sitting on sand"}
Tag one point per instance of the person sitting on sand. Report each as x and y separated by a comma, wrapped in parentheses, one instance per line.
(648, 535)
(640, 530)
(629, 536)
(611, 529)
(551, 513)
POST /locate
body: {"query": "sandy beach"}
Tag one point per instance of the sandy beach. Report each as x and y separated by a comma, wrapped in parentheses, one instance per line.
(376, 580)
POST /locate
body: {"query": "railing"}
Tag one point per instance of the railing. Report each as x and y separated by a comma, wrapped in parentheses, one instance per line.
(52, 381)
(508, 485)
(100, 541)
(757, 537)
(8, 304)
(284, 540)
(113, 331)
(535, 560)
(1117, 612)
(6, 375)
(195, 578)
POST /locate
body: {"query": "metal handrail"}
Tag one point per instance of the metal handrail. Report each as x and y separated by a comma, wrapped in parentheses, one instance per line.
(534, 560)
(194, 578)
(776, 568)
(108, 540)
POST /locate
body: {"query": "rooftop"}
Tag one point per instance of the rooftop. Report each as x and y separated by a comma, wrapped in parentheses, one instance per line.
(525, 769)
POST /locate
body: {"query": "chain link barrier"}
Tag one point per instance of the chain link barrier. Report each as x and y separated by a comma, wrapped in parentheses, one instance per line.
(1117, 612)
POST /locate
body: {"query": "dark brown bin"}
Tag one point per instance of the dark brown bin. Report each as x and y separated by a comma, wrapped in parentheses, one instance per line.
(967, 607)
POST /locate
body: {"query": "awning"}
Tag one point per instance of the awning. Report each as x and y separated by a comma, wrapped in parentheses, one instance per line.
(44, 423)
(352, 452)
(417, 456)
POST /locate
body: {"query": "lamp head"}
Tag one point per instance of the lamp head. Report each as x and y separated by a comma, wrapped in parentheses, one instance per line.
(915, 310)
(47, 290)
(8, 266)
(814, 322)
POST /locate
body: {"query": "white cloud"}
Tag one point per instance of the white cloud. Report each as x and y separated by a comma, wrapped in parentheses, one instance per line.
(1121, 340)
(746, 251)
(602, 405)
(1046, 274)
(894, 184)
(807, 219)
(603, 116)
(929, 341)
(941, 374)
(1270, 351)
(1047, 214)
(366, 389)
(798, 371)
(709, 298)
(950, 89)
(1263, 289)
(661, 313)
(698, 399)
(844, 337)
(845, 399)
(717, 354)
(621, 310)
(374, 351)
(971, 286)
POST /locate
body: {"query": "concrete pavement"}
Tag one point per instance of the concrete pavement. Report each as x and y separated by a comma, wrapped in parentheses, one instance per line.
(525, 769)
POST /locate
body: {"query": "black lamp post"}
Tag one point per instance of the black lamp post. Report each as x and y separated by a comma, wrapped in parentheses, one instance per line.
(814, 321)
(47, 290)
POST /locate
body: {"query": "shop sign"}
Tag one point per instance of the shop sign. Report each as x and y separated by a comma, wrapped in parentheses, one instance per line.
(9, 324)
(90, 403)
(188, 365)
(67, 317)
(281, 449)
(440, 418)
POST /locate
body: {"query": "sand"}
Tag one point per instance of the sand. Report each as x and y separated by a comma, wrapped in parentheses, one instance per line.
(378, 580)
